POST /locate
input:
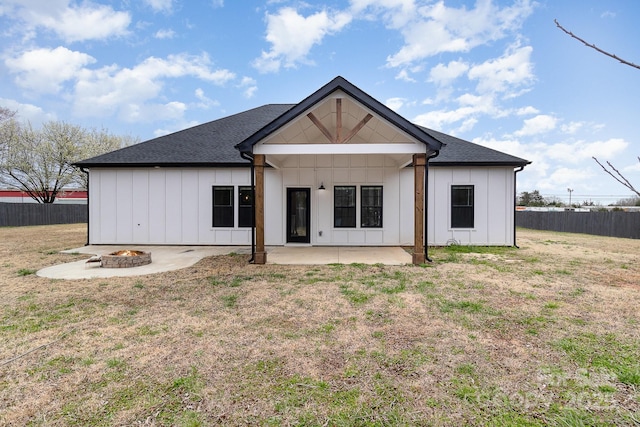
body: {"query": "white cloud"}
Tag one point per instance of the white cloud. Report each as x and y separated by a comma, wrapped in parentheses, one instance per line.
(395, 103)
(536, 125)
(205, 102)
(470, 106)
(249, 85)
(160, 5)
(404, 76)
(27, 112)
(85, 22)
(128, 91)
(45, 70)
(292, 36)
(572, 127)
(435, 28)
(503, 74)
(437, 119)
(178, 125)
(574, 152)
(444, 74)
(634, 167)
(525, 111)
(395, 12)
(165, 34)
(566, 177)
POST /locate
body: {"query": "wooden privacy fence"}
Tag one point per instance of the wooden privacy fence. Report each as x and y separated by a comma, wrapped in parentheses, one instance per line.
(611, 223)
(21, 214)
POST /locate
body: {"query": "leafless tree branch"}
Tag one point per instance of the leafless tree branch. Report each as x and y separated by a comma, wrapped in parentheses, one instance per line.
(593, 46)
(620, 178)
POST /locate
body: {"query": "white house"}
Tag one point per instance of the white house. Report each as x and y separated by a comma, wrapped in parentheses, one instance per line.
(338, 168)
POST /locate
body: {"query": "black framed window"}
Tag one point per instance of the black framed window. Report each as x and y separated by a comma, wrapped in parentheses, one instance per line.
(245, 207)
(371, 206)
(462, 202)
(223, 206)
(344, 206)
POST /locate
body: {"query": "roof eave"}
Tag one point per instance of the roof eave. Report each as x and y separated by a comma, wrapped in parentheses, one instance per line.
(161, 165)
(435, 163)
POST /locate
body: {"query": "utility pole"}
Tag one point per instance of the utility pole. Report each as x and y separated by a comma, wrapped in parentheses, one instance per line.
(570, 190)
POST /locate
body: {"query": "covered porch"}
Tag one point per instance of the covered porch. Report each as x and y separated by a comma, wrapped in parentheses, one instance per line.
(372, 161)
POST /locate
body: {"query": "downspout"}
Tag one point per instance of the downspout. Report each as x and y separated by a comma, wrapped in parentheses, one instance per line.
(426, 205)
(83, 170)
(249, 157)
(515, 203)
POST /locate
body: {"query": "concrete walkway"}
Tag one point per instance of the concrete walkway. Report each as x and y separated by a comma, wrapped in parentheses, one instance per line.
(168, 258)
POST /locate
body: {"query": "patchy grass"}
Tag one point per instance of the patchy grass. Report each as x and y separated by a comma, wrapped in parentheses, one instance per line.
(542, 335)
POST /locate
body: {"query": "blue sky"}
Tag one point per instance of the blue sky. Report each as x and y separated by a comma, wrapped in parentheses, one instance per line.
(498, 73)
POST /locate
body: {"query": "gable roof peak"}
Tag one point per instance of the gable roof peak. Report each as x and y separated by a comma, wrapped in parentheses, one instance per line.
(340, 83)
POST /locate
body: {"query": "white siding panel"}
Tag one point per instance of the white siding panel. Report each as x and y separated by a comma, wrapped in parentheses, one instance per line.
(241, 236)
(390, 209)
(479, 235)
(124, 182)
(374, 237)
(290, 176)
(173, 206)
(493, 190)
(108, 195)
(274, 202)
(140, 206)
(357, 237)
(241, 176)
(341, 176)
(189, 206)
(340, 237)
(157, 203)
(223, 176)
(358, 176)
(340, 161)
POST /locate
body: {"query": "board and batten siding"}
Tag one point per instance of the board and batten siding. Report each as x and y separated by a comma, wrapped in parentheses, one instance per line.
(173, 206)
(494, 210)
(164, 206)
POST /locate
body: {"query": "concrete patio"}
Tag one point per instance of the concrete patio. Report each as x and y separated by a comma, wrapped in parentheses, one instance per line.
(168, 258)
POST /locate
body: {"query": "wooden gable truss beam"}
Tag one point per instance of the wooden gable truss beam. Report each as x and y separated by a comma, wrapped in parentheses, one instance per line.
(338, 139)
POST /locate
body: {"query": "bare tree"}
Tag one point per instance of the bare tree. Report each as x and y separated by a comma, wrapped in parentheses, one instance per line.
(40, 161)
(615, 173)
(593, 46)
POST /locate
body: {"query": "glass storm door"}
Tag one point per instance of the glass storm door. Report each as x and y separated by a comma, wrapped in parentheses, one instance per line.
(298, 215)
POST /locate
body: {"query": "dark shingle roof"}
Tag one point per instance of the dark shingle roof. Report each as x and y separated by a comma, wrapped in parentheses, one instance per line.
(219, 142)
(211, 143)
(458, 152)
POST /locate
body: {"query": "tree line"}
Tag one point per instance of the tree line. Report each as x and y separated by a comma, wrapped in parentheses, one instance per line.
(535, 199)
(39, 161)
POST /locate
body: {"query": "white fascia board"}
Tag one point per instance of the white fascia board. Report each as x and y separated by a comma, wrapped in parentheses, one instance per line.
(396, 148)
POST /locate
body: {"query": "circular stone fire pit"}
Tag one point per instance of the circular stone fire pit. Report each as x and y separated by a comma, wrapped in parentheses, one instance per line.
(125, 259)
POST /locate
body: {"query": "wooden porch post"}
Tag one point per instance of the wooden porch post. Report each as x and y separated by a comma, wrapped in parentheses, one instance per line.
(260, 256)
(419, 163)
